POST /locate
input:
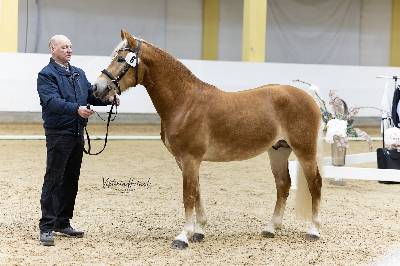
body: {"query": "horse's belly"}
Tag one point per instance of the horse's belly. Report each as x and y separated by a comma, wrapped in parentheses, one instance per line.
(225, 153)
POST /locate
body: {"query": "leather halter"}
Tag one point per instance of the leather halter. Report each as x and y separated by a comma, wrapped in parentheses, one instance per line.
(127, 66)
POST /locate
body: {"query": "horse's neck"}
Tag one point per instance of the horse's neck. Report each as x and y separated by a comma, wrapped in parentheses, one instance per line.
(168, 82)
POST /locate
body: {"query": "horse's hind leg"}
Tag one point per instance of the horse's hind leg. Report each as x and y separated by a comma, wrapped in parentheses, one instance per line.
(190, 173)
(314, 182)
(279, 166)
(307, 156)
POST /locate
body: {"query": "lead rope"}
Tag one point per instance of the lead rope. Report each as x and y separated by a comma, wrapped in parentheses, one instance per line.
(88, 151)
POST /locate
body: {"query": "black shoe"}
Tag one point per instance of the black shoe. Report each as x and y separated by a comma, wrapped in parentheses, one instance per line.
(69, 231)
(47, 238)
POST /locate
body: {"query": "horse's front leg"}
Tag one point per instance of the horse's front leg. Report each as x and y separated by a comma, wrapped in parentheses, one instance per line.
(190, 172)
(201, 218)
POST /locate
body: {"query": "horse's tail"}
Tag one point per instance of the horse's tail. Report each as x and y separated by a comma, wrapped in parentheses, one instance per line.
(303, 195)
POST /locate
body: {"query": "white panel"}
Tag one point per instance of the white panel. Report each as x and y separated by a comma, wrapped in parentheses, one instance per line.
(184, 28)
(230, 30)
(352, 173)
(375, 32)
(356, 84)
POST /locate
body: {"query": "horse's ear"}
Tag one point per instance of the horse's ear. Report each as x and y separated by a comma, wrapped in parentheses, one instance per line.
(126, 36)
(131, 40)
(124, 33)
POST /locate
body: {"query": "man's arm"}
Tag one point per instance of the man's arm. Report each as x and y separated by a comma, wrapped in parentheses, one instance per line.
(50, 96)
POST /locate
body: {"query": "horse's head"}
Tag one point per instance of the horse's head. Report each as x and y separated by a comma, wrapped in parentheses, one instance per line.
(123, 71)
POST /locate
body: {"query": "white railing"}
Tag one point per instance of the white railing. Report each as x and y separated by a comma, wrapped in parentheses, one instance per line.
(352, 173)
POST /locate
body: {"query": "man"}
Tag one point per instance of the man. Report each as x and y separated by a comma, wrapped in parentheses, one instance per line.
(64, 92)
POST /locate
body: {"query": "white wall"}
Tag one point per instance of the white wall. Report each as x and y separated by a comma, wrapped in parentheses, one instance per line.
(356, 84)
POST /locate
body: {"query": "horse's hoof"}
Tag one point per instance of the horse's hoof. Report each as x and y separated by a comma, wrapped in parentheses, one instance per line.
(267, 234)
(197, 237)
(311, 237)
(178, 244)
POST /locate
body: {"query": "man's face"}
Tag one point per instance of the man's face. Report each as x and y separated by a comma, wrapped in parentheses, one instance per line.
(62, 50)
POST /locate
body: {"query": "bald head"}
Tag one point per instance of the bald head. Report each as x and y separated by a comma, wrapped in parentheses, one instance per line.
(61, 49)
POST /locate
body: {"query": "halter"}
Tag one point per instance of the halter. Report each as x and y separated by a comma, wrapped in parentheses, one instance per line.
(127, 66)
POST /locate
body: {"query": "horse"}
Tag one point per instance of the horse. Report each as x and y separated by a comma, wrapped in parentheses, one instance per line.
(200, 122)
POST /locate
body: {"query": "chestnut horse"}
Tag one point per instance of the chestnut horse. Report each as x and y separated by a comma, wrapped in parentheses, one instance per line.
(199, 123)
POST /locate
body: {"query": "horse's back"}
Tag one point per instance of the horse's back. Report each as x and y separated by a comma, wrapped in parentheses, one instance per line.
(268, 104)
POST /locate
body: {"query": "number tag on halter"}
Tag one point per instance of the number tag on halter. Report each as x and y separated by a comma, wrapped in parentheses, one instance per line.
(131, 59)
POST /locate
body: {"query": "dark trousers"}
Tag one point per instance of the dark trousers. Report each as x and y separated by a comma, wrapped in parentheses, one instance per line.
(60, 186)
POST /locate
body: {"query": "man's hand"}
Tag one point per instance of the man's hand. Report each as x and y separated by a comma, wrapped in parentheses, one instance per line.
(84, 112)
(111, 99)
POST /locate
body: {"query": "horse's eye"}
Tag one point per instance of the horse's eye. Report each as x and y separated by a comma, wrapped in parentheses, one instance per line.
(120, 59)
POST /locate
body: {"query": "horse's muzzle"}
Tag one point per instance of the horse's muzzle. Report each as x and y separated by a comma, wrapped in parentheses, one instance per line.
(97, 92)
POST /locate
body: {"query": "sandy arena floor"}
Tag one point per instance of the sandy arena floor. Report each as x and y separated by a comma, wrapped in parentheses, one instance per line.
(360, 220)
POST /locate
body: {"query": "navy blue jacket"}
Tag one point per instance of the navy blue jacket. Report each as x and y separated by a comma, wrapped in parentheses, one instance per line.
(61, 93)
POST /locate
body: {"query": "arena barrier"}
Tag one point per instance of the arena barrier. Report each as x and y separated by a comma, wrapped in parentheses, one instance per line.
(133, 137)
(42, 137)
(329, 171)
(351, 173)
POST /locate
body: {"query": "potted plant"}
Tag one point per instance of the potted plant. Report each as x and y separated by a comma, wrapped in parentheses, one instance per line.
(338, 124)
